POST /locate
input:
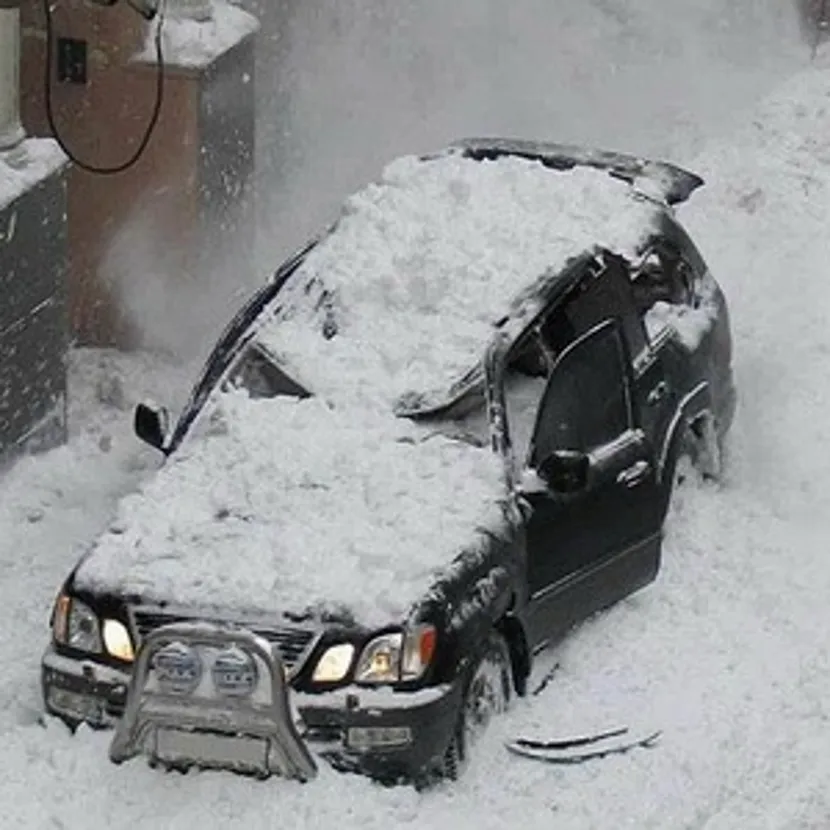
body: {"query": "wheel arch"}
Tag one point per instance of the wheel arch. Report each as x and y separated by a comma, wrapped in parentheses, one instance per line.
(692, 407)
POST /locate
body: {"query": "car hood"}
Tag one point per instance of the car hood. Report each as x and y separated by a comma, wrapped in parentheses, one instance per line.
(291, 506)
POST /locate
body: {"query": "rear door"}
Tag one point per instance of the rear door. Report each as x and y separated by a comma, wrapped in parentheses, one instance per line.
(593, 534)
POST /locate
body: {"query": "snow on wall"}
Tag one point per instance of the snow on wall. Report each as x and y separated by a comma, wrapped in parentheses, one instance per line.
(40, 157)
(197, 43)
(289, 504)
(423, 264)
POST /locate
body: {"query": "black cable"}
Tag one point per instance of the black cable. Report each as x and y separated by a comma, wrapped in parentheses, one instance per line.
(151, 124)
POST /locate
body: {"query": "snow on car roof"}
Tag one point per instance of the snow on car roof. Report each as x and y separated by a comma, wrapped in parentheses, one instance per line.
(291, 504)
(404, 294)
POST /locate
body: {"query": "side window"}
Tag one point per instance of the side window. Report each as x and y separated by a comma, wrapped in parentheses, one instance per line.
(604, 293)
(586, 403)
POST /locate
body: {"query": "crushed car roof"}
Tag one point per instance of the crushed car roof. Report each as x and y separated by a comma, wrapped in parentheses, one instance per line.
(404, 293)
(658, 179)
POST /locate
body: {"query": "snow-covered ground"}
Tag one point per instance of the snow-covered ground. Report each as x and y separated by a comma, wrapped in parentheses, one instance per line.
(728, 652)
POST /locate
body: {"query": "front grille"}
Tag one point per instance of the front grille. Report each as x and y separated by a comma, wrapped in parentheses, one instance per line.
(292, 642)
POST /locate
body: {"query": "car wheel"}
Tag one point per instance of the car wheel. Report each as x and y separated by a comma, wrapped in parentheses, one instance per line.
(487, 694)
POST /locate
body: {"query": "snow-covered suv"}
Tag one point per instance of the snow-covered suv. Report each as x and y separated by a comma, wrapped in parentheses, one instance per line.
(442, 435)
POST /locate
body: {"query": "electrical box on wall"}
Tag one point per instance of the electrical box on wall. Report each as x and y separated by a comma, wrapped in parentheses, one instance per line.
(71, 60)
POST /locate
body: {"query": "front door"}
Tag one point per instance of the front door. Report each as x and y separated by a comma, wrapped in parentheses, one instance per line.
(594, 530)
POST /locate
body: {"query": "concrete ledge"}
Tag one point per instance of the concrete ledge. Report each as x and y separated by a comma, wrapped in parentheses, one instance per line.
(24, 167)
(193, 45)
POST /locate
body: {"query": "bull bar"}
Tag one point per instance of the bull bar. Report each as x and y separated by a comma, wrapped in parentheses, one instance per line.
(252, 733)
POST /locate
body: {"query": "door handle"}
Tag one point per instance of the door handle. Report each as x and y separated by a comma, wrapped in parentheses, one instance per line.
(657, 393)
(635, 474)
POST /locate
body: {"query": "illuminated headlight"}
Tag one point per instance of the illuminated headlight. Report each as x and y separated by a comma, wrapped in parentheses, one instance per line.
(334, 664)
(76, 625)
(397, 656)
(234, 673)
(117, 641)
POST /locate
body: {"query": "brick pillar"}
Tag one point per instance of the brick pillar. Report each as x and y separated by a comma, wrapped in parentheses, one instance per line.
(127, 231)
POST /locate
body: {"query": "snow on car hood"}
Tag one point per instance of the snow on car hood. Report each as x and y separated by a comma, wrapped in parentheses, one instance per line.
(289, 505)
(403, 295)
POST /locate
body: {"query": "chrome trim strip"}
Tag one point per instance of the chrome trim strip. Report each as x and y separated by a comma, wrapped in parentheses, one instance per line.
(586, 572)
(678, 414)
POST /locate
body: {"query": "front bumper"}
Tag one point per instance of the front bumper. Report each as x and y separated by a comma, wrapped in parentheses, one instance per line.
(83, 691)
(389, 735)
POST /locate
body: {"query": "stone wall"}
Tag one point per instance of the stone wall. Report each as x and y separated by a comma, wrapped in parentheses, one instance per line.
(33, 300)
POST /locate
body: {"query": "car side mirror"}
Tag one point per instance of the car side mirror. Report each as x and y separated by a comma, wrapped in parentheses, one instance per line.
(565, 472)
(150, 424)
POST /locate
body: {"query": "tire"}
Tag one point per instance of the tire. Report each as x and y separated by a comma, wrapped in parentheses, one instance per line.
(487, 693)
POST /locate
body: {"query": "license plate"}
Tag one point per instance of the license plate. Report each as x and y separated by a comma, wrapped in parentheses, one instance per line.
(208, 749)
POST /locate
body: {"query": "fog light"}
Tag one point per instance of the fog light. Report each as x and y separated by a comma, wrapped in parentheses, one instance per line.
(74, 705)
(178, 669)
(378, 737)
(235, 673)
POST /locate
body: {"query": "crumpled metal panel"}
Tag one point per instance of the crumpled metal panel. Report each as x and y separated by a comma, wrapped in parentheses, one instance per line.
(670, 183)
